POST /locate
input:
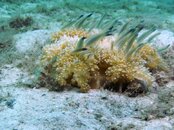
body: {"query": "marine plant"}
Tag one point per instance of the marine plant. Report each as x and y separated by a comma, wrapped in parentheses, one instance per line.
(19, 22)
(70, 33)
(94, 59)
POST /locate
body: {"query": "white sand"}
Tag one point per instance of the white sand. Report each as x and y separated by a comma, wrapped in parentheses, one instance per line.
(39, 109)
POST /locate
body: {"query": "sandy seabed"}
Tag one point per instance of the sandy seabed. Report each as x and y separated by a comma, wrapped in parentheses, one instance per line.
(25, 108)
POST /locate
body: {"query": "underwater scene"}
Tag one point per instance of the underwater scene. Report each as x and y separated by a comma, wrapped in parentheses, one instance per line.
(86, 64)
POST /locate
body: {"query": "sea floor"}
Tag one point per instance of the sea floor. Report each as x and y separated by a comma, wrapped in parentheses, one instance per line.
(27, 107)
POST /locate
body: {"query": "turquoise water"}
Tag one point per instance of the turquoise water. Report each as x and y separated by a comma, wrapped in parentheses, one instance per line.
(45, 12)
